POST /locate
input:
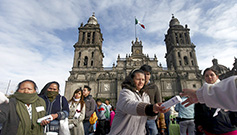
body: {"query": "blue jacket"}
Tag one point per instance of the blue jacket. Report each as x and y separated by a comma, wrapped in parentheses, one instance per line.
(185, 112)
(55, 107)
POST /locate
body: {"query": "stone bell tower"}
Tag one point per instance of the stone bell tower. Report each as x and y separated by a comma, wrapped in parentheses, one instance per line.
(88, 57)
(180, 54)
(88, 49)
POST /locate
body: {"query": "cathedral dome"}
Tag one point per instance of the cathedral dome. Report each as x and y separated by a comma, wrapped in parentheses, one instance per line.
(92, 20)
(174, 21)
(218, 67)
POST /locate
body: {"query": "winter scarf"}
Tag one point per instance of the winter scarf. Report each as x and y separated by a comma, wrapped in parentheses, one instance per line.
(26, 125)
(52, 95)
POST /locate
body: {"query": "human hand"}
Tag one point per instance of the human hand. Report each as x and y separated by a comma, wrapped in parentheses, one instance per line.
(200, 128)
(44, 122)
(54, 116)
(162, 131)
(191, 95)
(3, 98)
(71, 126)
(158, 108)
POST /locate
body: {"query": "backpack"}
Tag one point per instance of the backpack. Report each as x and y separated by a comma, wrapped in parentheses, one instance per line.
(93, 118)
(106, 113)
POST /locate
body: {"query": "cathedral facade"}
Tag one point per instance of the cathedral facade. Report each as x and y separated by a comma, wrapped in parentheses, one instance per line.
(182, 69)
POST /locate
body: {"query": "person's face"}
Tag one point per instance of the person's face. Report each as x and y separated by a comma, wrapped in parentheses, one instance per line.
(139, 80)
(98, 103)
(53, 87)
(27, 87)
(210, 77)
(77, 95)
(86, 92)
(148, 76)
(106, 102)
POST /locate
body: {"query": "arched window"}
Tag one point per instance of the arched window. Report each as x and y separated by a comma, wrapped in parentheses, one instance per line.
(191, 55)
(186, 38)
(83, 37)
(79, 55)
(92, 63)
(179, 54)
(85, 61)
(181, 41)
(185, 60)
(176, 38)
(181, 38)
(92, 54)
(93, 38)
(78, 64)
(88, 37)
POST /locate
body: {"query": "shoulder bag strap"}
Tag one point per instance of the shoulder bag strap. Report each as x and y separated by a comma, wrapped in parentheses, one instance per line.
(61, 105)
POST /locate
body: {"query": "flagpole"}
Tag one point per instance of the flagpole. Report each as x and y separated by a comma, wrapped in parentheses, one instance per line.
(135, 30)
(8, 86)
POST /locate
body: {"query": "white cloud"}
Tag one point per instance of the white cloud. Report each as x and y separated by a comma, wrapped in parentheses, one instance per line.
(158, 50)
(225, 54)
(220, 22)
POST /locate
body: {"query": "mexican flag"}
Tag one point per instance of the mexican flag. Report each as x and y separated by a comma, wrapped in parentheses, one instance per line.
(137, 22)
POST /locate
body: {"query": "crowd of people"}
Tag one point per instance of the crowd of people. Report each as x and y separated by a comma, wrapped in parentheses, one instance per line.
(139, 110)
(20, 113)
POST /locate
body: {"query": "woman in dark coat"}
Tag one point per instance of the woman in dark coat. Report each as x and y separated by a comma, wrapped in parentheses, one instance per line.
(213, 120)
(51, 96)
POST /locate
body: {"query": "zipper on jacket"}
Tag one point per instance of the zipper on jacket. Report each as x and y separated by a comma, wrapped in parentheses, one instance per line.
(50, 105)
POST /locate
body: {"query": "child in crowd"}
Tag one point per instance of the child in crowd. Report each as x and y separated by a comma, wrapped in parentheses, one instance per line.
(100, 129)
(107, 121)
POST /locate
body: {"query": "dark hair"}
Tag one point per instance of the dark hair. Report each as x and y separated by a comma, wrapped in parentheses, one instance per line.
(88, 88)
(213, 70)
(112, 108)
(133, 72)
(76, 91)
(129, 83)
(98, 100)
(106, 99)
(82, 102)
(19, 84)
(146, 68)
(45, 88)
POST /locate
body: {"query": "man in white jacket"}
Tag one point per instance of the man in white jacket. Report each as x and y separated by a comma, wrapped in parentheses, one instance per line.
(222, 95)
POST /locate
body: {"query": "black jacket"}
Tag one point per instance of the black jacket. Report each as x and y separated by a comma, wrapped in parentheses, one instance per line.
(9, 118)
(216, 125)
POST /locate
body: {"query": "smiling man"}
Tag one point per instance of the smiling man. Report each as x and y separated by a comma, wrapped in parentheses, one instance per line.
(155, 97)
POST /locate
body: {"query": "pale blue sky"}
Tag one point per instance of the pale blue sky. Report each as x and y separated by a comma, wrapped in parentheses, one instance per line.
(37, 36)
